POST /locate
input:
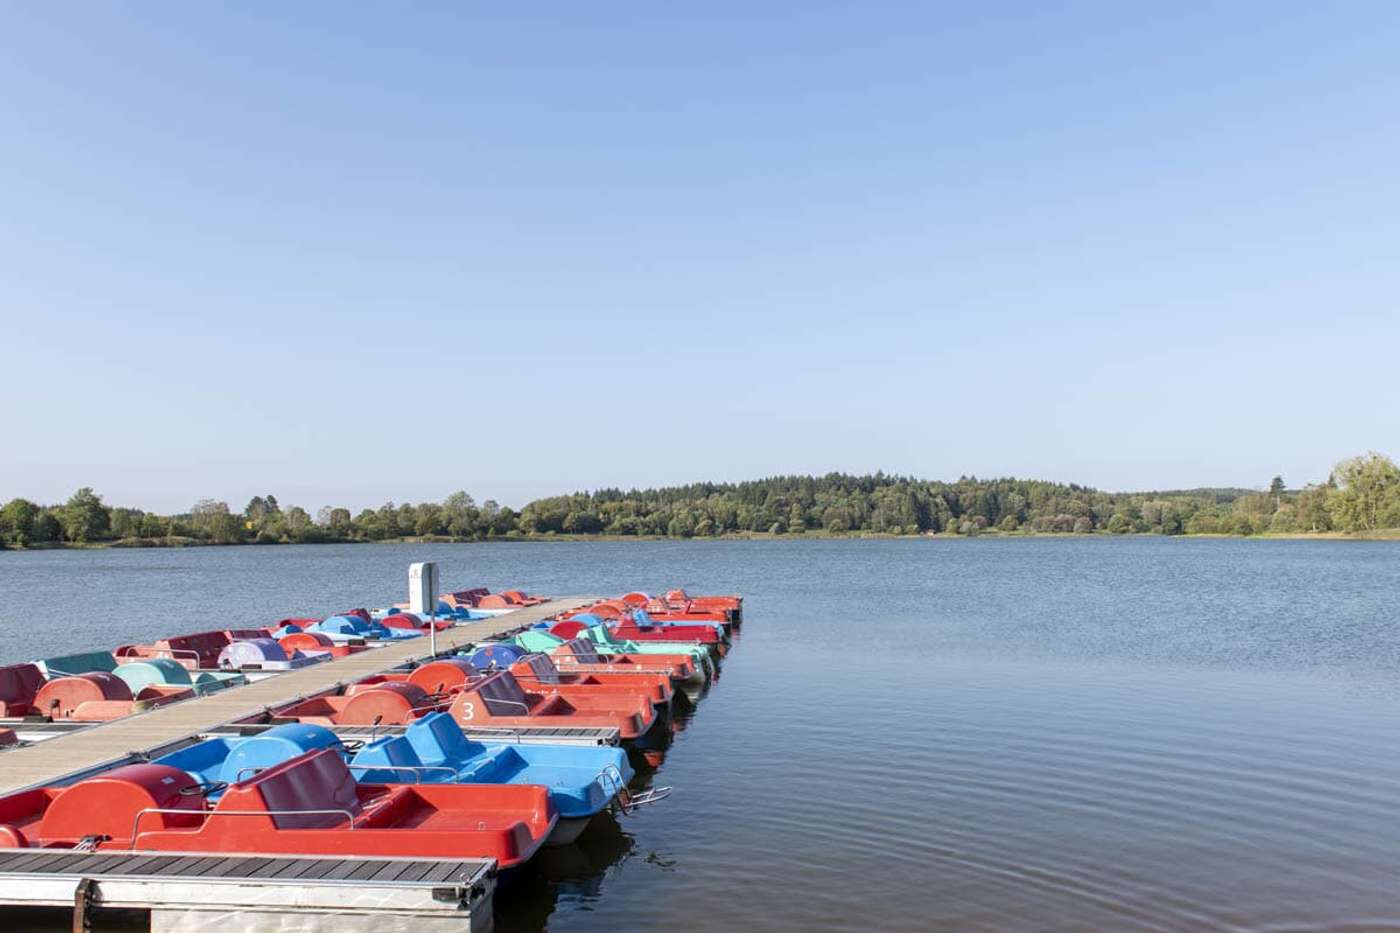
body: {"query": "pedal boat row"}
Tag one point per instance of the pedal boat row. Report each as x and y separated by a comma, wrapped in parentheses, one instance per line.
(99, 686)
(431, 791)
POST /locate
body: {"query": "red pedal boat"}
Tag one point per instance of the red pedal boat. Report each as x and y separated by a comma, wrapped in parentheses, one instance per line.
(540, 673)
(382, 701)
(499, 700)
(310, 804)
(628, 629)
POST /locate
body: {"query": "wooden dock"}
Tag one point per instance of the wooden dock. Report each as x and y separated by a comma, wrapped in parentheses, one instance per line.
(66, 758)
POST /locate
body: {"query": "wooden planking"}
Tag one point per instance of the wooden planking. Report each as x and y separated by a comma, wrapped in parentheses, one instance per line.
(49, 761)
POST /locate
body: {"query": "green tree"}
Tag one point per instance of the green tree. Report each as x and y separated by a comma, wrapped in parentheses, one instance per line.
(1311, 509)
(1366, 488)
(126, 523)
(207, 518)
(460, 513)
(84, 517)
(17, 522)
(340, 522)
(47, 526)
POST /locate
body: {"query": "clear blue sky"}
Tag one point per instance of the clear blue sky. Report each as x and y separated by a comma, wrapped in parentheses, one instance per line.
(346, 253)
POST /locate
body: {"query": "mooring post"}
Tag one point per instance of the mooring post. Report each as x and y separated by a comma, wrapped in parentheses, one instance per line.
(423, 597)
(83, 897)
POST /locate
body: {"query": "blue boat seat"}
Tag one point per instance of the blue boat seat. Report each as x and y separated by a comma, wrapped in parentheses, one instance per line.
(234, 759)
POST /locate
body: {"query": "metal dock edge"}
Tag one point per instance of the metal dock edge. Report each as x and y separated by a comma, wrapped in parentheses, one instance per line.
(192, 891)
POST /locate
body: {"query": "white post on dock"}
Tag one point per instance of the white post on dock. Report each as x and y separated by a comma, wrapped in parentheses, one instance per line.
(423, 597)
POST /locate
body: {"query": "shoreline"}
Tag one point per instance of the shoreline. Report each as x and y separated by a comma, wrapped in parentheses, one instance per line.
(1384, 534)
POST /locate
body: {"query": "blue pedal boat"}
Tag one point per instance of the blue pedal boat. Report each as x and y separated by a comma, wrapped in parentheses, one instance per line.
(349, 628)
(582, 781)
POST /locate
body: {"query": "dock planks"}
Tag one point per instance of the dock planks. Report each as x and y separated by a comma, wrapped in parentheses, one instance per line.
(70, 756)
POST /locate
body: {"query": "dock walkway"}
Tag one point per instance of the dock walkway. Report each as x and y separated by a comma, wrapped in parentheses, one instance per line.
(69, 757)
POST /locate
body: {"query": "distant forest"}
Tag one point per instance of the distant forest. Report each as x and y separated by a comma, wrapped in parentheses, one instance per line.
(1361, 495)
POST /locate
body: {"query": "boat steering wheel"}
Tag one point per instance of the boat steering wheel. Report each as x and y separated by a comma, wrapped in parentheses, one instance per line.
(202, 790)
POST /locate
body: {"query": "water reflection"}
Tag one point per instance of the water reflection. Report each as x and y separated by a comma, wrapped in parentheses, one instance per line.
(562, 879)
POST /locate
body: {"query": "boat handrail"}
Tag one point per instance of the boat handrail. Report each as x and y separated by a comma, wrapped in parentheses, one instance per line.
(135, 822)
(612, 774)
(487, 701)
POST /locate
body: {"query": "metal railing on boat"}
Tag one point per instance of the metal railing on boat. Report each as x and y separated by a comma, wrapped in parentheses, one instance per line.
(528, 735)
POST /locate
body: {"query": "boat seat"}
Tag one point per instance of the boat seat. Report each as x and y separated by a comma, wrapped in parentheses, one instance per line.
(202, 761)
(542, 669)
(243, 634)
(438, 740)
(318, 780)
(498, 763)
(402, 763)
(18, 685)
(584, 651)
(504, 696)
(86, 662)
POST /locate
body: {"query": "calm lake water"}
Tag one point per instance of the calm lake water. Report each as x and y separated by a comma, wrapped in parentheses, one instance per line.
(976, 734)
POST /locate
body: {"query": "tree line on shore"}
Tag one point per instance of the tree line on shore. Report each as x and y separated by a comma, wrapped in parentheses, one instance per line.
(1362, 494)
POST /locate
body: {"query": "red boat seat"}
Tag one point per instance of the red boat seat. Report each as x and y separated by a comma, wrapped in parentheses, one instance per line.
(504, 696)
(196, 651)
(245, 634)
(443, 676)
(541, 668)
(18, 685)
(301, 622)
(583, 651)
(317, 781)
